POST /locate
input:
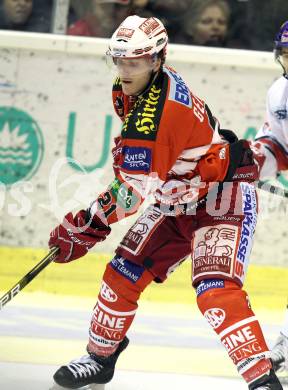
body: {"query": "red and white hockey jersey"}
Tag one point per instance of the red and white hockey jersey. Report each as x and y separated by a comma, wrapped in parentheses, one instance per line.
(169, 146)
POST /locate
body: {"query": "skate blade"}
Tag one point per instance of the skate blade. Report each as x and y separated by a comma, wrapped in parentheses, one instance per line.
(93, 386)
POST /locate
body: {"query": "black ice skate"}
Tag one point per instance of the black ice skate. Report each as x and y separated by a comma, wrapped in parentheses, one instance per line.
(89, 369)
(266, 382)
(279, 354)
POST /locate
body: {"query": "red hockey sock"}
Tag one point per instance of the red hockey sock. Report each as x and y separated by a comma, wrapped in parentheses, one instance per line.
(227, 309)
(116, 307)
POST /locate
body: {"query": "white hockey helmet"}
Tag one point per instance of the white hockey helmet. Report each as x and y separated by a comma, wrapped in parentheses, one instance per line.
(138, 37)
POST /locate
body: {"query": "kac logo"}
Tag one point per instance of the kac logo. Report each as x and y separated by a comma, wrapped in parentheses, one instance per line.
(21, 146)
(107, 293)
(215, 317)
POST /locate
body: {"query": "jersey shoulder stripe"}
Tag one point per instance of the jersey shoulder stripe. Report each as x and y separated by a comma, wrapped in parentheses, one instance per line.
(178, 90)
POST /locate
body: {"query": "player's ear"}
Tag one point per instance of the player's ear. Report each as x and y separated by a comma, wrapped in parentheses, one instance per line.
(157, 64)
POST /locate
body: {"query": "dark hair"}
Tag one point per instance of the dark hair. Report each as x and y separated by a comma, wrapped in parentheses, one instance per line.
(162, 56)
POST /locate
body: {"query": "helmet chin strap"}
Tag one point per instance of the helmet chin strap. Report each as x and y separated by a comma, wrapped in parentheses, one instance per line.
(277, 57)
(285, 73)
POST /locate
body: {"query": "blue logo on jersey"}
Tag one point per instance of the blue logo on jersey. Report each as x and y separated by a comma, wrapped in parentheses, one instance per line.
(179, 92)
(136, 159)
(129, 270)
(207, 284)
(248, 223)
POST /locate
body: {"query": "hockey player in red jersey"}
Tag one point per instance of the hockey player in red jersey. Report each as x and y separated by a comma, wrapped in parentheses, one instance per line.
(272, 142)
(205, 206)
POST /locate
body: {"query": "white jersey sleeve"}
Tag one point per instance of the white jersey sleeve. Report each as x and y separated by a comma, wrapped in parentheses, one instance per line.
(272, 138)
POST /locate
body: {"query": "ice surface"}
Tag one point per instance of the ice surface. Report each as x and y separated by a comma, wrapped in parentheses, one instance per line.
(171, 346)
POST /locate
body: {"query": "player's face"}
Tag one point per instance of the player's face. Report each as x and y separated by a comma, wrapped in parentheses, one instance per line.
(135, 73)
(211, 26)
(284, 56)
(18, 11)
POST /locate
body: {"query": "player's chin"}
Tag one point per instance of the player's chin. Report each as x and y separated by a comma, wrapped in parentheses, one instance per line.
(129, 88)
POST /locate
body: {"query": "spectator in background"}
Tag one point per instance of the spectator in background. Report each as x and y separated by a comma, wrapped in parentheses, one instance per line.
(104, 16)
(206, 23)
(80, 7)
(170, 12)
(26, 15)
(16, 13)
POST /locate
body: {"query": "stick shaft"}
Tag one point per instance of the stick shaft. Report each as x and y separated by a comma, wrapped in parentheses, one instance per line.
(262, 185)
(28, 277)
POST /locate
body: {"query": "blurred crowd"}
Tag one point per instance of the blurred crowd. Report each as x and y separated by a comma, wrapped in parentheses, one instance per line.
(244, 24)
(26, 15)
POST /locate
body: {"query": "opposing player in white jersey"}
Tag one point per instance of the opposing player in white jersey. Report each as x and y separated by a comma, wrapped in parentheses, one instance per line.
(272, 140)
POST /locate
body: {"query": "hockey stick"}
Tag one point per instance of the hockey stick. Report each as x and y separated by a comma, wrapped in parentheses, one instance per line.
(28, 277)
(262, 185)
